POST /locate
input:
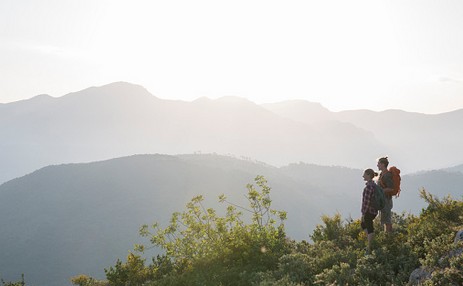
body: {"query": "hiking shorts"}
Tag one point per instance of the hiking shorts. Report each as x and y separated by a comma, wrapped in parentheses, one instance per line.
(367, 222)
(386, 212)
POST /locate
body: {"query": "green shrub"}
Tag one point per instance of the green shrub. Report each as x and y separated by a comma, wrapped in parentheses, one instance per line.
(18, 283)
(84, 280)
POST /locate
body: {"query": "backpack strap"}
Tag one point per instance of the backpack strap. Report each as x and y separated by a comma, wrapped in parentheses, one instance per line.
(380, 181)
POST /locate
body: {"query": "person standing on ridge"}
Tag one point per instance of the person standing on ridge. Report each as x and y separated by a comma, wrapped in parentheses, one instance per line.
(386, 183)
(368, 211)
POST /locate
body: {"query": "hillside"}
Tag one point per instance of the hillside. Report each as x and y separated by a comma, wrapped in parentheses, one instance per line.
(422, 250)
(88, 214)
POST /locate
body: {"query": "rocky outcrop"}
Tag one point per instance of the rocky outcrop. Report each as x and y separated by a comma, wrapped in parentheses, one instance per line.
(421, 274)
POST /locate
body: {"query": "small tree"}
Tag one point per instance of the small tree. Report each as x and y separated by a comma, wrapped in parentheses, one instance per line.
(439, 212)
(213, 249)
(18, 283)
(84, 280)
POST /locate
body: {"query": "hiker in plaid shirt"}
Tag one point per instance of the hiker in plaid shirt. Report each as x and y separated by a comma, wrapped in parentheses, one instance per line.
(368, 211)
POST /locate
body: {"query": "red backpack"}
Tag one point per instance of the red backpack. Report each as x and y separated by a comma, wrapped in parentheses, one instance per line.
(396, 180)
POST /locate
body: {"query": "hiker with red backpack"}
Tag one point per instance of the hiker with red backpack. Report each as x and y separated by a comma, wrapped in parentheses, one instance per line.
(389, 181)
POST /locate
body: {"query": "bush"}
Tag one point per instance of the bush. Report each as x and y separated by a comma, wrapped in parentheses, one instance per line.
(18, 283)
(84, 280)
(203, 248)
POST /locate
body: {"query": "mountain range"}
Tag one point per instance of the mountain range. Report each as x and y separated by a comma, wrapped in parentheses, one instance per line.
(122, 119)
(73, 193)
(64, 220)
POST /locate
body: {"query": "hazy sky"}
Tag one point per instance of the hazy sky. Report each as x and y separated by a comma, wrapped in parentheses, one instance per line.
(344, 54)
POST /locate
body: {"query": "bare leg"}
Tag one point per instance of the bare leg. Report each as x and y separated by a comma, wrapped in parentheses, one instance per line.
(388, 227)
(370, 237)
(370, 240)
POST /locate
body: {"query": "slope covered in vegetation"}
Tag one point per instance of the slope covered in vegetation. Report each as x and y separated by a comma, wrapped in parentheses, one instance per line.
(247, 245)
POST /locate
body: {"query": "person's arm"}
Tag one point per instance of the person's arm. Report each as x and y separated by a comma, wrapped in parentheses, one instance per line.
(364, 205)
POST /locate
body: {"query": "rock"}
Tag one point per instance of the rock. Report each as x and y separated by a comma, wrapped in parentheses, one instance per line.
(419, 275)
(459, 236)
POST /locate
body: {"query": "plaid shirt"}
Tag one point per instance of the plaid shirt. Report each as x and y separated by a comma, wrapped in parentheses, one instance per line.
(367, 197)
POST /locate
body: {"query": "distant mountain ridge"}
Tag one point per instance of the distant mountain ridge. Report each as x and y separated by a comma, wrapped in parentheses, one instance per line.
(458, 168)
(415, 141)
(122, 119)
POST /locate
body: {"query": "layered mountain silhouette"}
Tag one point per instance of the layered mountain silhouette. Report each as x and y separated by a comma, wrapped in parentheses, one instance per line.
(69, 219)
(122, 119)
(414, 141)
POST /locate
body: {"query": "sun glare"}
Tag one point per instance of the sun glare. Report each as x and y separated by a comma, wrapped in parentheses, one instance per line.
(267, 52)
(345, 55)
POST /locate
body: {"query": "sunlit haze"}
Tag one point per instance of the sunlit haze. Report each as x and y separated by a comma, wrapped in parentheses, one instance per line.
(344, 54)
